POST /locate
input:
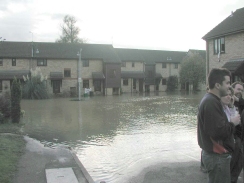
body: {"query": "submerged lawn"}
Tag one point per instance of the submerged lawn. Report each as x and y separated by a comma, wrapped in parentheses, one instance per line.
(12, 146)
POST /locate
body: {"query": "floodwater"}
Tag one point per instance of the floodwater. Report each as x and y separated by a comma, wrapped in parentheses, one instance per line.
(116, 137)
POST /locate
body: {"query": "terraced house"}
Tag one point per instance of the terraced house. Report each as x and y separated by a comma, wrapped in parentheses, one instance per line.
(225, 45)
(104, 69)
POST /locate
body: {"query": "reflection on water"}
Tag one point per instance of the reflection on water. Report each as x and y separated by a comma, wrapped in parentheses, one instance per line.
(115, 137)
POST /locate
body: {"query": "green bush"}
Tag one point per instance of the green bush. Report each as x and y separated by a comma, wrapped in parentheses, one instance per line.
(15, 101)
(1, 118)
(172, 83)
(34, 87)
(5, 106)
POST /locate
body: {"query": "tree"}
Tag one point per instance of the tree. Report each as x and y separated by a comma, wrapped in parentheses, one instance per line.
(15, 101)
(172, 83)
(193, 70)
(69, 31)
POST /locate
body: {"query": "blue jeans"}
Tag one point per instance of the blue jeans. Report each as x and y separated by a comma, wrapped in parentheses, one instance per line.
(217, 166)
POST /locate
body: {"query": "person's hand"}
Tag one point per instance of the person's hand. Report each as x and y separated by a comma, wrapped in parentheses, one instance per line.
(235, 119)
(236, 98)
(232, 100)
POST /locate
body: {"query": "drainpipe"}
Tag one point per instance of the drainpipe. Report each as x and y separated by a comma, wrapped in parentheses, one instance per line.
(207, 60)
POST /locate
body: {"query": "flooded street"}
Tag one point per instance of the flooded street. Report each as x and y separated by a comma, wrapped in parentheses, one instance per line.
(116, 137)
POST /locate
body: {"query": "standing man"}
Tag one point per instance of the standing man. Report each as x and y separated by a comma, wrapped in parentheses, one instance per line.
(239, 101)
(214, 132)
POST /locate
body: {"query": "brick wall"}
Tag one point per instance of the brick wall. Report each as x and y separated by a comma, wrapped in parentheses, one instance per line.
(234, 48)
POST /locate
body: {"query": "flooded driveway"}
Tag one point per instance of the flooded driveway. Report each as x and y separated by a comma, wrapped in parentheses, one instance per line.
(116, 137)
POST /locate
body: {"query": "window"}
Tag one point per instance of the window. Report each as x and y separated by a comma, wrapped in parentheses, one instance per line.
(164, 81)
(176, 66)
(164, 65)
(85, 63)
(13, 61)
(86, 83)
(125, 82)
(41, 62)
(219, 45)
(112, 73)
(67, 73)
(133, 64)
(1, 61)
(123, 64)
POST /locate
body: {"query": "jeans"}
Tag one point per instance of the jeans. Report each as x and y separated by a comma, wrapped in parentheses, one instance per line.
(236, 161)
(217, 166)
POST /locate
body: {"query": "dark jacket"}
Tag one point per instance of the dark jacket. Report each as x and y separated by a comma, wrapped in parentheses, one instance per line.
(239, 128)
(212, 122)
(240, 105)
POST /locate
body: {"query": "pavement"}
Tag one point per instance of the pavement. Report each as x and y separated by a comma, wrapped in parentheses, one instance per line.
(37, 160)
(182, 172)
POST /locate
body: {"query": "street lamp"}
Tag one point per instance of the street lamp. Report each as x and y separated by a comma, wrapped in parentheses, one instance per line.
(32, 50)
(79, 73)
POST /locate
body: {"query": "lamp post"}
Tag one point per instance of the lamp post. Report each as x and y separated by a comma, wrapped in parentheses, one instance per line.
(32, 50)
(79, 73)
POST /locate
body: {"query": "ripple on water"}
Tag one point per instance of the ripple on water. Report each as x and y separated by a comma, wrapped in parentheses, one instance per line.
(116, 137)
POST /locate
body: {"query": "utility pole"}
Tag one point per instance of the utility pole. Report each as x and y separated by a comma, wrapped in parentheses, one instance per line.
(79, 74)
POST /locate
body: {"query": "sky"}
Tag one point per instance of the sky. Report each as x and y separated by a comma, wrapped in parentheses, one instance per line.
(144, 24)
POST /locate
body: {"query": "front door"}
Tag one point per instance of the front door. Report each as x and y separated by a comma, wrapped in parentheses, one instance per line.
(56, 86)
(97, 85)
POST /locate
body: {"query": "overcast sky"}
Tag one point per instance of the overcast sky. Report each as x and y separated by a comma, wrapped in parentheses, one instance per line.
(147, 24)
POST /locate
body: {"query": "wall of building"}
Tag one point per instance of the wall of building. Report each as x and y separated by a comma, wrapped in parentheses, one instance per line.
(138, 66)
(21, 64)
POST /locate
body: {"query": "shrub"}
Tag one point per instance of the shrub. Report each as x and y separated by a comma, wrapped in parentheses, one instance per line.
(5, 106)
(34, 87)
(15, 101)
(172, 83)
(1, 118)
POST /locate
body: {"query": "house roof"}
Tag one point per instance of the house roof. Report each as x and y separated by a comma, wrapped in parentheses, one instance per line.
(232, 24)
(150, 56)
(56, 75)
(58, 51)
(235, 66)
(129, 54)
(132, 74)
(89, 51)
(98, 75)
(10, 74)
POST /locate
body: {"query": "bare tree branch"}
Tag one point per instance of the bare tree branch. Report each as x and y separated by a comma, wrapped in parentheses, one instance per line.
(69, 31)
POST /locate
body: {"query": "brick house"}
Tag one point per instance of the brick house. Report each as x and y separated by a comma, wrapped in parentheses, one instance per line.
(104, 69)
(225, 45)
(148, 70)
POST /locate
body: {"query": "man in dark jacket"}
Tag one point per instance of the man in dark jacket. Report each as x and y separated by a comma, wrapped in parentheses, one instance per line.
(238, 90)
(214, 132)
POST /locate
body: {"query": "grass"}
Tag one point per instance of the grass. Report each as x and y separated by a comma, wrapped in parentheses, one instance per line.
(12, 146)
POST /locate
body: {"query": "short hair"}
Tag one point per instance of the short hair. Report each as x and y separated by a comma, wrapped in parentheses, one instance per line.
(237, 82)
(217, 75)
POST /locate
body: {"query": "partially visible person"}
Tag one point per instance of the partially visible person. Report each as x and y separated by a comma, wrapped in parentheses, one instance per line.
(238, 90)
(214, 131)
(232, 115)
(239, 129)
